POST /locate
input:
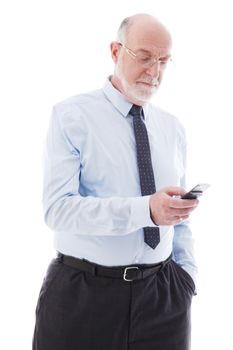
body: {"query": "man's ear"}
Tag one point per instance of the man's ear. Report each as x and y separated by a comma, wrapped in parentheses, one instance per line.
(114, 46)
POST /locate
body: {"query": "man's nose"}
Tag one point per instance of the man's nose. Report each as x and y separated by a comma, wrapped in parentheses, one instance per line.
(154, 69)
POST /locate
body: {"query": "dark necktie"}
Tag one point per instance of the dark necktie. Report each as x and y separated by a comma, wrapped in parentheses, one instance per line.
(146, 174)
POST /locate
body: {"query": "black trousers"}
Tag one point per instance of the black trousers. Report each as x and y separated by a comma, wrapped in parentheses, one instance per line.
(79, 311)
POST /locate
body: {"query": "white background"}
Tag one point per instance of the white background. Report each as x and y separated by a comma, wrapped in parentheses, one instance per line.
(51, 50)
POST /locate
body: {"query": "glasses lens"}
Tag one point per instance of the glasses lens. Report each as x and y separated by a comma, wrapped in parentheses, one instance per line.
(145, 60)
(148, 61)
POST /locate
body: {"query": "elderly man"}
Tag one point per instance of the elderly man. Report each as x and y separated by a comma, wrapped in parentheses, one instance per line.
(124, 274)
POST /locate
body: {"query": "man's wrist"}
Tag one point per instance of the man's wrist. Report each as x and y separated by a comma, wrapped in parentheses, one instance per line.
(151, 215)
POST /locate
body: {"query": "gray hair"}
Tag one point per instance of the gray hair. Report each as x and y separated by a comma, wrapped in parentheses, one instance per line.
(123, 29)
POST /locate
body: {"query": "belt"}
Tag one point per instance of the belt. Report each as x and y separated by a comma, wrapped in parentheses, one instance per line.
(127, 273)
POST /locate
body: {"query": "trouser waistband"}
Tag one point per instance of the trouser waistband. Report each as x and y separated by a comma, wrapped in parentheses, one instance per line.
(127, 273)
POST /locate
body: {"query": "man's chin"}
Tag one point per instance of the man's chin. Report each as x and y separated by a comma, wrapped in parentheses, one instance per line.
(144, 96)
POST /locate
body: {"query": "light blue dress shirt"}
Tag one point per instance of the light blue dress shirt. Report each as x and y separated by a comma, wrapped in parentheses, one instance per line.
(92, 198)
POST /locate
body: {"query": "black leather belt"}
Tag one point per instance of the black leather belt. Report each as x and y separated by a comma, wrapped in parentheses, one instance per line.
(127, 273)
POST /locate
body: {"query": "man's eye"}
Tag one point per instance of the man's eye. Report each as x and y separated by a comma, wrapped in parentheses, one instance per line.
(144, 58)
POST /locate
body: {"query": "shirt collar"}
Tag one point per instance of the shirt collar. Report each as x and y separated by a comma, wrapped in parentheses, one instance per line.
(119, 101)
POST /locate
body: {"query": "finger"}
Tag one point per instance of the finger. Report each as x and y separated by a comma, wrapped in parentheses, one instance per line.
(175, 191)
(175, 220)
(181, 212)
(183, 203)
(179, 220)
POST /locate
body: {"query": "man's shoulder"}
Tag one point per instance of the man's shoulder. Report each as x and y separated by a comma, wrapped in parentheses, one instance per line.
(73, 102)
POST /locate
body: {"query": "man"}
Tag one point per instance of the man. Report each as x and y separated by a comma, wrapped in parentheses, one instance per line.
(114, 171)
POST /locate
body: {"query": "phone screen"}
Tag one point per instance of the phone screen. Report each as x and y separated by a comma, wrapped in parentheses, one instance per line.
(196, 191)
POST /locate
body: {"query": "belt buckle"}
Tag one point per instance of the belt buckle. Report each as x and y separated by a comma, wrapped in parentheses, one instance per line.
(125, 273)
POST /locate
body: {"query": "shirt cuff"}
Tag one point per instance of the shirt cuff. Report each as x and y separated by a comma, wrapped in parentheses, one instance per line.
(141, 212)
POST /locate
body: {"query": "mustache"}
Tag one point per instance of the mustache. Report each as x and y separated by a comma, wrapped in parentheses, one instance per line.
(150, 81)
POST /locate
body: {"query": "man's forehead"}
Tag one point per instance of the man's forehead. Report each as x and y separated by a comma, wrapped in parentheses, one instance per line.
(149, 35)
(154, 49)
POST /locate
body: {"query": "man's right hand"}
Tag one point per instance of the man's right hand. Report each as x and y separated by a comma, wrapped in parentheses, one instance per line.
(167, 210)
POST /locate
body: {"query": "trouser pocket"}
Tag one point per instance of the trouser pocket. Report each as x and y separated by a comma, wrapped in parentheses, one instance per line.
(185, 278)
(52, 272)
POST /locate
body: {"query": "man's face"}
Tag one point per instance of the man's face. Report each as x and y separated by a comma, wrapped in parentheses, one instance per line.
(136, 78)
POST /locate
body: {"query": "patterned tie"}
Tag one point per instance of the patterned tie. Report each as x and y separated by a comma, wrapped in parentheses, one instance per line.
(146, 174)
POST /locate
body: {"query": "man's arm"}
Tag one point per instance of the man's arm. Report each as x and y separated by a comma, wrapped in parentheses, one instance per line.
(183, 242)
(165, 209)
(183, 249)
(66, 210)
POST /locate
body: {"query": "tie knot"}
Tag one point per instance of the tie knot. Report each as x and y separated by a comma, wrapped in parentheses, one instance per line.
(136, 110)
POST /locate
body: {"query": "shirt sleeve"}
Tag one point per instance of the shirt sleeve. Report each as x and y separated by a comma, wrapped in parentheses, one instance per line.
(183, 241)
(66, 210)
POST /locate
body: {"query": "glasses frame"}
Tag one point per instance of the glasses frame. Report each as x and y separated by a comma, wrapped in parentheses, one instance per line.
(149, 64)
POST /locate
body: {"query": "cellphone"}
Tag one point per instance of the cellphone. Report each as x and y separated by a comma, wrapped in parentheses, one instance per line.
(195, 192)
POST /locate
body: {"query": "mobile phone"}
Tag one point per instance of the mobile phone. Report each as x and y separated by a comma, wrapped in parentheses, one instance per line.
(195, 192)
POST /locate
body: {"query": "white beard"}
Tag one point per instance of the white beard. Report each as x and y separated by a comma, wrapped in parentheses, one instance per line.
(136, 91)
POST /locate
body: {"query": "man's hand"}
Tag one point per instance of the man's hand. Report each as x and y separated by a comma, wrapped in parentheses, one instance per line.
(167, 210)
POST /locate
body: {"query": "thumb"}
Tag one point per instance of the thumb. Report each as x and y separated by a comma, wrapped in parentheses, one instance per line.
(174, 191)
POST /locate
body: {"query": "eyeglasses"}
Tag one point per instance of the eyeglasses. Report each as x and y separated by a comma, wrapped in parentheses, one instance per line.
(146, 60)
